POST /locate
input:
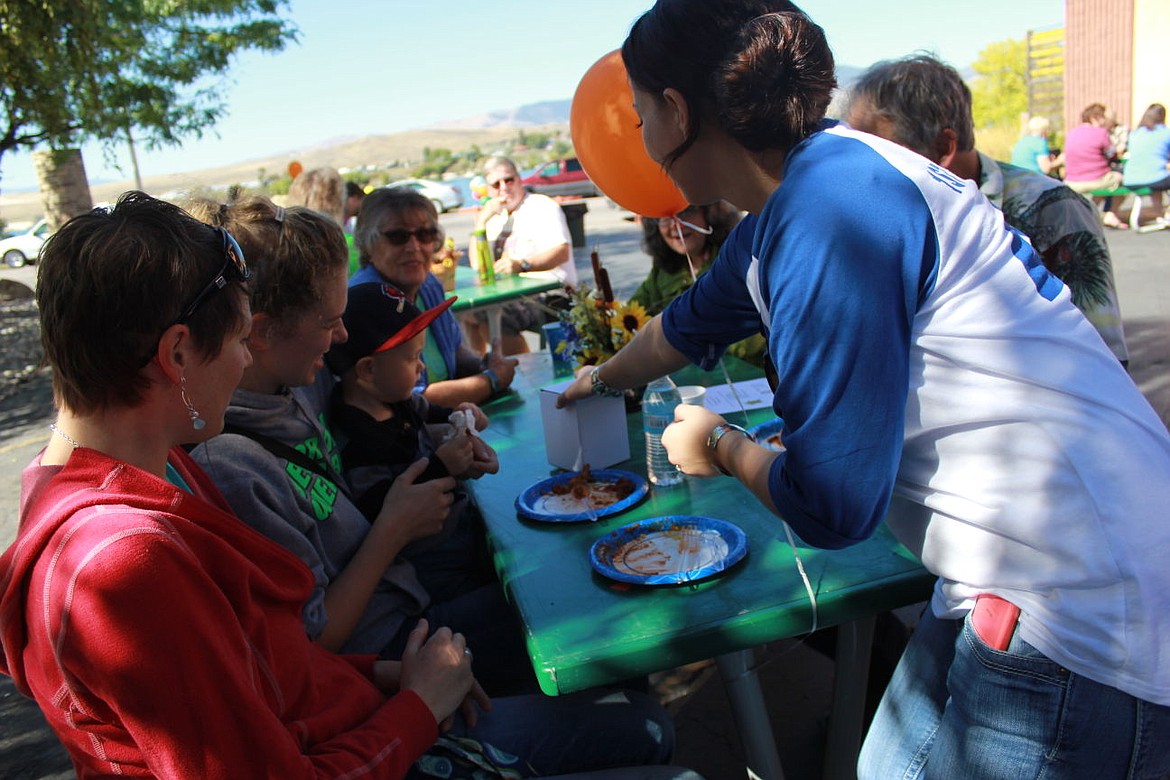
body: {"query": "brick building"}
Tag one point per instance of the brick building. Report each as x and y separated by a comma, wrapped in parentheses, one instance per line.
(1115, 53)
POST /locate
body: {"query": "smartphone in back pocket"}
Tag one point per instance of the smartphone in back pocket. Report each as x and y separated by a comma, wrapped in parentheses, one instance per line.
(994, 620)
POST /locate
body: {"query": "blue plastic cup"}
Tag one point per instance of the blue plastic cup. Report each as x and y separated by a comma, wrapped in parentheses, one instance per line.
(554, 337)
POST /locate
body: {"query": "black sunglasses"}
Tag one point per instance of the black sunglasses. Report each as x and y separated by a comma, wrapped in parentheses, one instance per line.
(234, 269)
(399, 237)
(495, 185)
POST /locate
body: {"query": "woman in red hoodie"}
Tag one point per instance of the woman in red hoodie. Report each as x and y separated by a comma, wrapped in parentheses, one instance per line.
(160, 635)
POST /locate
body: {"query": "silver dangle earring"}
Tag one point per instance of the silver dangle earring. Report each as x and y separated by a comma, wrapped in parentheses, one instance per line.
(197, 422)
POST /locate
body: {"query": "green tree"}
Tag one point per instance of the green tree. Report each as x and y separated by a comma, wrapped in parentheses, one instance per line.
(435, 162)
(78, 70)
(999, 90)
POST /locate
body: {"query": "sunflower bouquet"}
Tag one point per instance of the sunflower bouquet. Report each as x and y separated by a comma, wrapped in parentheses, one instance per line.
(596, 328)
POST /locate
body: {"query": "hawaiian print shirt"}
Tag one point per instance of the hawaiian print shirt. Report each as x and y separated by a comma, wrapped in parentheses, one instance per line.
(1065, 229)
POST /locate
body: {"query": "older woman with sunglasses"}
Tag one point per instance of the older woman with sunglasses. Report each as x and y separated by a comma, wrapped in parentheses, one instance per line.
(397, 235)
(159, 634)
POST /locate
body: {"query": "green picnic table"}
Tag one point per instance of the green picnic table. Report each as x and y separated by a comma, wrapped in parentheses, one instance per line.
(584, 630)
(490, 298)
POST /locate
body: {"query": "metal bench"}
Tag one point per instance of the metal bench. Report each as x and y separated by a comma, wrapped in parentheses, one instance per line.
(1135, 212)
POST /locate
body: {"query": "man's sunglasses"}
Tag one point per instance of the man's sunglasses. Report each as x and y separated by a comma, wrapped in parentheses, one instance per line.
(495, 185)
(399, 237)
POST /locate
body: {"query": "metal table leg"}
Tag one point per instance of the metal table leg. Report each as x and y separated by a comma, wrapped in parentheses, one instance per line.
(495, 324)
(847, 720)
(751, 716)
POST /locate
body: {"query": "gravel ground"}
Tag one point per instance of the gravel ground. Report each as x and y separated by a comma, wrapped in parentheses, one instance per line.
(25, 387)
(27, 747)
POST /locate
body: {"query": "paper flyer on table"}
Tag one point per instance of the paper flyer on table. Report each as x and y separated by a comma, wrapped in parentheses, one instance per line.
(753, 394)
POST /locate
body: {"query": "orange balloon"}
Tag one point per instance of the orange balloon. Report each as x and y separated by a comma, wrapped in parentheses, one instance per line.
(605, 134)
(295, 169)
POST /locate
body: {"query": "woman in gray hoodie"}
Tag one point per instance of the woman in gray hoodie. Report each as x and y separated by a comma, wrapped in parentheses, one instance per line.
(279, 465)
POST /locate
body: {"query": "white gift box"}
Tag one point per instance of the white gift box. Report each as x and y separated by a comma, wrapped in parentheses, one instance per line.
(591, 430)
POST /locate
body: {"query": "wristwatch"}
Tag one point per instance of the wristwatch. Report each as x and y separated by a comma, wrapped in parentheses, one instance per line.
(601, 388)
(525, 266)
(717, 433)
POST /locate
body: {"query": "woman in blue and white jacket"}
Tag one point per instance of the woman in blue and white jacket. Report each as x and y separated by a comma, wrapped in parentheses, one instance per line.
(933, 374)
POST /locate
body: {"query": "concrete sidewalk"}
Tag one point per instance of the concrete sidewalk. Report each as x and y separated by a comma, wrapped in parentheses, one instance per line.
(797, 679)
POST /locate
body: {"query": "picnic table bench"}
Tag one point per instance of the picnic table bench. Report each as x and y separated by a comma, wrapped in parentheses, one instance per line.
(1135, 212)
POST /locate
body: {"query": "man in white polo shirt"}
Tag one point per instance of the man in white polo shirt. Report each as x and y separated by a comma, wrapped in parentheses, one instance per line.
(529, 235)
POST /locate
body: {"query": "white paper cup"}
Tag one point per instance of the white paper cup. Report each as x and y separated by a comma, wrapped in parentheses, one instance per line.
(692, 394)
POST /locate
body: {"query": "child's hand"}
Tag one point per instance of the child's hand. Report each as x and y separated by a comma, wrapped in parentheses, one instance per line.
(481, 419)
(457, 454)
(484, 459)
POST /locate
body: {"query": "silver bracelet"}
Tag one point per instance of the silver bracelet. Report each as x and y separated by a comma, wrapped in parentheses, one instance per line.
(599, 387)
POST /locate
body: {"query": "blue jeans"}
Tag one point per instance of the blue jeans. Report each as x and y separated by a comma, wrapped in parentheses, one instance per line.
(957, 708)
(581, 732)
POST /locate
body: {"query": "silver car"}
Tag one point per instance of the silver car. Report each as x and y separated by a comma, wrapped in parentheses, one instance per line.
(444, 196)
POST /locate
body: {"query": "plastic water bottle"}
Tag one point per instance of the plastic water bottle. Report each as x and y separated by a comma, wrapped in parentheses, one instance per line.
(658, 404)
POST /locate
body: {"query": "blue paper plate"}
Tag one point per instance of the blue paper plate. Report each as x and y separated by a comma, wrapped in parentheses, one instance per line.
(538, 503)
(766, 430)
(668, 550)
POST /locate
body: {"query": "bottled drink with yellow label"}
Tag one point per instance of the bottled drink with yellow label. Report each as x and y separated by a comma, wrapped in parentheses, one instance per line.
(485, 263)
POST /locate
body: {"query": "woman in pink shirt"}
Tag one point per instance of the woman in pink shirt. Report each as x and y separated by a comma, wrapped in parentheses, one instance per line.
(1088, 158)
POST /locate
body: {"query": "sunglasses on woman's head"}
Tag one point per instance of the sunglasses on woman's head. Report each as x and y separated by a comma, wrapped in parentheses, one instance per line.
(399, 237)
(234, 269)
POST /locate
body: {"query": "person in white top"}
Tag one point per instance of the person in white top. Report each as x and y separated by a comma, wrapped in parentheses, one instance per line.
(529, 235)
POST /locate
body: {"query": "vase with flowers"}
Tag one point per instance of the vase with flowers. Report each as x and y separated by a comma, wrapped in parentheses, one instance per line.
(596, 328)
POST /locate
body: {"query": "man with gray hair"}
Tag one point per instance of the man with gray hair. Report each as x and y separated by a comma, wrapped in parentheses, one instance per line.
(529, 234)
(923, 104)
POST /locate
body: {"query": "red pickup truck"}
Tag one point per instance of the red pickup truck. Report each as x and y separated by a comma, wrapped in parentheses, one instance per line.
(563, 177)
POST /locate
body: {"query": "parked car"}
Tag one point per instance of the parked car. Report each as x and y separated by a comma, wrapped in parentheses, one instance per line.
(444, 196)
(563, 177)
(24, 247)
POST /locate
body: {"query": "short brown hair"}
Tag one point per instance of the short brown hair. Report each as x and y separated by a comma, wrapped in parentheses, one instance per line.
(289, 252)
(110, 282)
(1092, 111)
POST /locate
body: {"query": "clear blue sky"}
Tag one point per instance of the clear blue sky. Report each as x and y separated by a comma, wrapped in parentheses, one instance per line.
(372, 66)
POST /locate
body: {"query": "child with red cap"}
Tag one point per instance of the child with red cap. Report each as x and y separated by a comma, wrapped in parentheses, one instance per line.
(383, 426)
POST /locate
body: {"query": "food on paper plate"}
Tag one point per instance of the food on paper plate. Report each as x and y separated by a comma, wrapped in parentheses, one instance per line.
(674, 549)
(583, 493)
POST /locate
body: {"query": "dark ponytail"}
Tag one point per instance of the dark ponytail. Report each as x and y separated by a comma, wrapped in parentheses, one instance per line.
(760, 69)
(774, 90)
